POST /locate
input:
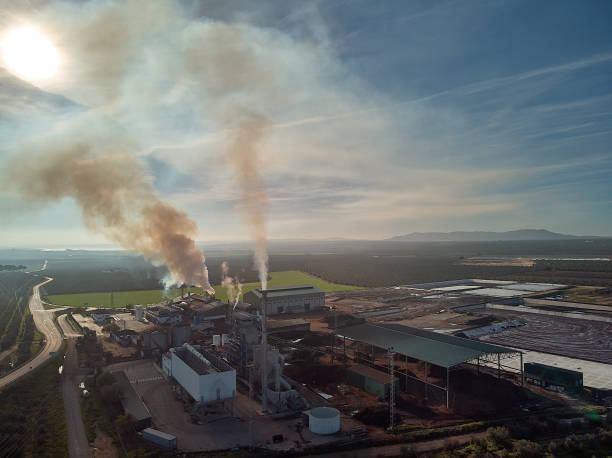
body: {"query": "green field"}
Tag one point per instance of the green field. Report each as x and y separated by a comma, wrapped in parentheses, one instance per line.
(153, 296)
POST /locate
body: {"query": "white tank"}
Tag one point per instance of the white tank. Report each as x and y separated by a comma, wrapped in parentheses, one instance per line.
(139, 312)
(217, 340)
(324, 420)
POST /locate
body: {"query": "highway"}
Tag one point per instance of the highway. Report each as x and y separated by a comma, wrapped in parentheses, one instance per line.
(43, 319)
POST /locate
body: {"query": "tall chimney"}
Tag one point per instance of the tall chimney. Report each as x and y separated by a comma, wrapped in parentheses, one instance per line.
(264, 345)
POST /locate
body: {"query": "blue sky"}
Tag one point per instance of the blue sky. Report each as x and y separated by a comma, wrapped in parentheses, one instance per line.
(386, 118)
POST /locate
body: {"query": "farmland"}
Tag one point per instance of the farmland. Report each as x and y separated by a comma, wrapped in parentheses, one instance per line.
(15, 290)
(123, 298)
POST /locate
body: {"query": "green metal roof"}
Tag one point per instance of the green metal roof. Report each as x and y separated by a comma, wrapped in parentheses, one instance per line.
(129, 398)
(439, 349)
(288, 291)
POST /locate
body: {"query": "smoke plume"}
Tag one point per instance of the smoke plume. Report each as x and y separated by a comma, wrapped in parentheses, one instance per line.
(151, 69)
(226, 69)
(115, 197)
(232, 286)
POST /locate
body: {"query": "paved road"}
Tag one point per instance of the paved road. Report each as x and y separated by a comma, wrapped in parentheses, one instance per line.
(68, 330)
(43, 319)
(78, 446)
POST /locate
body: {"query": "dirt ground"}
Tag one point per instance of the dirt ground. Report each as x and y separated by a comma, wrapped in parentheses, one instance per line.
(170, 416)
(590, 295)
(571, 337)
(103, 446)
(499, 262)
(116, 349)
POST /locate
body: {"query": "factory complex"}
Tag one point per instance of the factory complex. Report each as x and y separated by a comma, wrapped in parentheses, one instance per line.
(295, 368)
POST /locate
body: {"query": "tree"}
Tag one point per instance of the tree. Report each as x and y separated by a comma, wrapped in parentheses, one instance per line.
(111, 328)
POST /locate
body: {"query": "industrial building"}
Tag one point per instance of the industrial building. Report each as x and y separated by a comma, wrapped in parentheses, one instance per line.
(293, 299)
(164, 314)
(131, 402)
(444, 351)
(554, 378)
(206, 377)
(371, 380)
(211, 311)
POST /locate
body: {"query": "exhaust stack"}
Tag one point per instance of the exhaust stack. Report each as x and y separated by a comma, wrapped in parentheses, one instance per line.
(264, 345)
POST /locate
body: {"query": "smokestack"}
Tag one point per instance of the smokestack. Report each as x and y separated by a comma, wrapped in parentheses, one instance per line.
(264, 344)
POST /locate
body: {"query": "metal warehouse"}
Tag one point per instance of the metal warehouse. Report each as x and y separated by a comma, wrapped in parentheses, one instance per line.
(555, 378)
(371, 380)
(206, 377)
(444, 351)
(131, 402)
(294, 299)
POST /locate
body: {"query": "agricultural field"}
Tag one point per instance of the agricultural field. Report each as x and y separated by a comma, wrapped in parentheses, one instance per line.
(152, 296)
(590, 295)
(15, 290)
(32, 420)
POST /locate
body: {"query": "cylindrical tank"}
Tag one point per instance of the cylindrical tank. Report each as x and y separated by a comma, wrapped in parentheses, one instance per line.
(139, 312)
(324, 420)
(217, 340)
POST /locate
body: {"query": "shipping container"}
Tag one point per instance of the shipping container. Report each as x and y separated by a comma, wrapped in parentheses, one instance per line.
(159, 438)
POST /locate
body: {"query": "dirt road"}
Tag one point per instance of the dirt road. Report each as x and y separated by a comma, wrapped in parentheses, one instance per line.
(396, 449)
(43, 319)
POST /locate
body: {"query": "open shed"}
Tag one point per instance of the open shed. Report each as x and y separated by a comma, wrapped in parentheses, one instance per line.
(445, 351)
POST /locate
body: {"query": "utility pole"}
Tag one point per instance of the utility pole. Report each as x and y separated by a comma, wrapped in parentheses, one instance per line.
(391, 391)
(251, 407)
(334, 333)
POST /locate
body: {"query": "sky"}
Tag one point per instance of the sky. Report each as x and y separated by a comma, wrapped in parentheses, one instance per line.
(381, 118)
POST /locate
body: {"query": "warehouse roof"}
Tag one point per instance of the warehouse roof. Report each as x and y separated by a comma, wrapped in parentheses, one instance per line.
(439, 349)
(129, 399)
(288, 291)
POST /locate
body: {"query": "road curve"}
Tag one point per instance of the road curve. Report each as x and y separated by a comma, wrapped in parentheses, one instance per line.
(43, 319)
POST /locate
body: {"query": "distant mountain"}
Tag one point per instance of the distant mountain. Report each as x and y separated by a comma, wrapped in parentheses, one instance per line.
(481, 236)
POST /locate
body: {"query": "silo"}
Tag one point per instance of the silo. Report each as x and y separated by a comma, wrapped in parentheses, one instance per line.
(139, 312)
(324, 420)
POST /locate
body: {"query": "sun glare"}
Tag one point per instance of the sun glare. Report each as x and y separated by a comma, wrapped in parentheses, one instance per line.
(29, 54)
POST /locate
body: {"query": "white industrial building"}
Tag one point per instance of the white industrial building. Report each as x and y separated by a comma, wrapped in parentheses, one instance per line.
(206, 377)
(292, 299)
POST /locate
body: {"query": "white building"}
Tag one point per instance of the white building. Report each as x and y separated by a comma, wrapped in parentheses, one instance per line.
(292, 299)
(206, 377)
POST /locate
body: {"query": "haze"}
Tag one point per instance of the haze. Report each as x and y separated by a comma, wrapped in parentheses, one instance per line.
(377, 118)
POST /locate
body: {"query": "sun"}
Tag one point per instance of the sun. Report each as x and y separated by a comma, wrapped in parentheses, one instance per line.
(29, 54)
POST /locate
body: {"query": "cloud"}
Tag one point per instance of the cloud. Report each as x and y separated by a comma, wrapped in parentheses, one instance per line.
(341, 152)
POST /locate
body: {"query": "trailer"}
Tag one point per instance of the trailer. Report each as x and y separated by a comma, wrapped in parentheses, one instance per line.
(159, 438)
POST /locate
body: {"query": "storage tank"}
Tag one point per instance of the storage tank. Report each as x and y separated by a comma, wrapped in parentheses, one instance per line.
(139, 312)
(324, 420)
(217, 340)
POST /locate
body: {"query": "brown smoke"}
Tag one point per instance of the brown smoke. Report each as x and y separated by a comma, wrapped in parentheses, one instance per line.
(225, 64)
(116, 199)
